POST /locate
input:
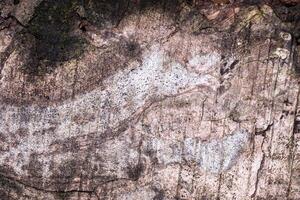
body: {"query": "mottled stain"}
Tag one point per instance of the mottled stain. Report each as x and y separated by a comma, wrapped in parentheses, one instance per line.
(8, 188)
(134, 172)
(77, 124)
(63, 175)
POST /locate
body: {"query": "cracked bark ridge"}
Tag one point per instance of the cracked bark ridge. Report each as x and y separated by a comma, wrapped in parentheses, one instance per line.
(149, 99)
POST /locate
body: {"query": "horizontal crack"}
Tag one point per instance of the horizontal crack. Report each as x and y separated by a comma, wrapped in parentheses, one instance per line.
(41, 189)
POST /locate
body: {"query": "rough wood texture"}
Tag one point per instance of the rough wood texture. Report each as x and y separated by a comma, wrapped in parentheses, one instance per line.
(149, 100)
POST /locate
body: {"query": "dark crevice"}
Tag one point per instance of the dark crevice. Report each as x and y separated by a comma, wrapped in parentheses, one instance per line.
(16, 2)
(291, 155)
(264, 131)
(10, 183)
(253, 195)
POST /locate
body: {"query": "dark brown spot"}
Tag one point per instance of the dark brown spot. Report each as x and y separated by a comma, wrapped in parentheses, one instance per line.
(16, 2)
(159, 194)
(134, 172)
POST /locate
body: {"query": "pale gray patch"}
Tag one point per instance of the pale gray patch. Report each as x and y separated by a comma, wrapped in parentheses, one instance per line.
(213, 156)
(220, 155)
(216, 155)
(167, 151)
(128, 91)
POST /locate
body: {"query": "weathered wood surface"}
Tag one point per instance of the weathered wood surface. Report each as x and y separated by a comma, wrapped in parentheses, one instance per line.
(140, 100)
